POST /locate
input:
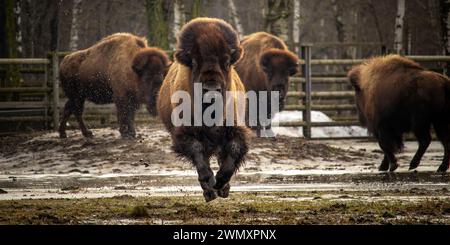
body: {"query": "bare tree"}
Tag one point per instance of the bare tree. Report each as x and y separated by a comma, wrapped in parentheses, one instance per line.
(179, 18)
(373, 12)
(296, 26)
(235, 17)
(76, 11)
(277, 18)
(398, 41)
(8, 21)
(158, 29)
(54, 29)
(196, 9)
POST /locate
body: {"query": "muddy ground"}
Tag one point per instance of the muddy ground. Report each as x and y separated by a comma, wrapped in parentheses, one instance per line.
(108, 180)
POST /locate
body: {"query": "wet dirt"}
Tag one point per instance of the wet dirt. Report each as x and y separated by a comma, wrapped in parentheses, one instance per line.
(293, 175)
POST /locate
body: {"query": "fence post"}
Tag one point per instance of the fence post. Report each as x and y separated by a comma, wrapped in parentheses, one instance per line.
(55, 89)
(306, 68)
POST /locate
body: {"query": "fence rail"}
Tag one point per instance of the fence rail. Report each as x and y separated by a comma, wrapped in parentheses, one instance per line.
(48, 109)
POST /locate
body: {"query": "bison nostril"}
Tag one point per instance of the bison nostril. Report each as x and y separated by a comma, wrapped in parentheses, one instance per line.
(211, 86)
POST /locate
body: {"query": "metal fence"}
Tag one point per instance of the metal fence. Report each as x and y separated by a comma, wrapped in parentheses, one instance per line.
(18, 111)
(306, 96)
(15, 111)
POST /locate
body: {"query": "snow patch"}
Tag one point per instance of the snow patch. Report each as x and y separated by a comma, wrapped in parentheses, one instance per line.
(317, 132)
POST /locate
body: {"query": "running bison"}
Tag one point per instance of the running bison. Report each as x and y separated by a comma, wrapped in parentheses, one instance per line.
(266, 66)
(119, 69)
(206, 50)
(395, 95)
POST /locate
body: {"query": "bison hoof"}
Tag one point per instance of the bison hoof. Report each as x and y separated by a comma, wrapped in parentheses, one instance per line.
(383, 167)
(88, 134)
(442, 168)
(393, 167)
(62, 135)
(128, 136)
(209, 195)
(224, 192)
(413, 165)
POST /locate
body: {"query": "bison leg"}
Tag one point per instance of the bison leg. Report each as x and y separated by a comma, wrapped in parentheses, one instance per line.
(125, 117)
(443, 133)
(422, 133)
(192, 149)
(231, 157)
(387, 144)
(78, 111)
(205, 177)
(384, 166)
(68, 109)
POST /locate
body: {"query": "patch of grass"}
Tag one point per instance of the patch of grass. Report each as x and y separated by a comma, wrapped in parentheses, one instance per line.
(240, 208)
(139, 212)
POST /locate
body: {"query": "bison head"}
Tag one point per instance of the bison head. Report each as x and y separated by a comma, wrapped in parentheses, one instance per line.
(354, 77)
(150, 65)
(209, 47)
(279, 65)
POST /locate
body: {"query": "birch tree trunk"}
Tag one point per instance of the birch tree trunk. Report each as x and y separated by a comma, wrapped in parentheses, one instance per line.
(236, 19)
(179, 19)
(18, 15)
(74, 28)
(398, 39)
(178, 16)
(277, 16)
(296, 27)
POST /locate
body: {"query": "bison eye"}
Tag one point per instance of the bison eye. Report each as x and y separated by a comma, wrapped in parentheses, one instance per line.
(194, 64)
(292, 71)
(227, 64)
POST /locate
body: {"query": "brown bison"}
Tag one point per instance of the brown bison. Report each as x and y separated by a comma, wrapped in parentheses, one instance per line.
(206, 50)
(395, 95)
(119, 69)
(266, 66)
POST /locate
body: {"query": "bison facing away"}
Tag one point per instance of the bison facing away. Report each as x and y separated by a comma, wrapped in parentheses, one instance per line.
(266, 66)
(119, 69)
(395, 95)
(206, 50)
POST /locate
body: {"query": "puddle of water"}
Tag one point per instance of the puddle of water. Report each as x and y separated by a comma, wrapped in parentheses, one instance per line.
(189, 190)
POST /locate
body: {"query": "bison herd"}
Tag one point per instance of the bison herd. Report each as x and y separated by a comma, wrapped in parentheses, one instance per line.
(394, 95)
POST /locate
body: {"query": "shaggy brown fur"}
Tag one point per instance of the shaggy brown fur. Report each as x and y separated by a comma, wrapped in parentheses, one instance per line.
(121, 69)
(266, 66)
(206, 50)
(395, 95)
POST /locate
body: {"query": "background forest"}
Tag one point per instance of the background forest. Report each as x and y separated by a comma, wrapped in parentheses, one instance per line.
(337, 28)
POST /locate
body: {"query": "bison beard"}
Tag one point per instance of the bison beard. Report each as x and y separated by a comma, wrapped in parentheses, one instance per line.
(395, 95)
(266, 66)
(121, 69)
(206, 50)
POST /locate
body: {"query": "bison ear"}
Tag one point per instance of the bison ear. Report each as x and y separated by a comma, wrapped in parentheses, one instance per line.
(265, 62)
(353, 76)
(236, 54)
(293, 70)
(139, 64)
(184, 57)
